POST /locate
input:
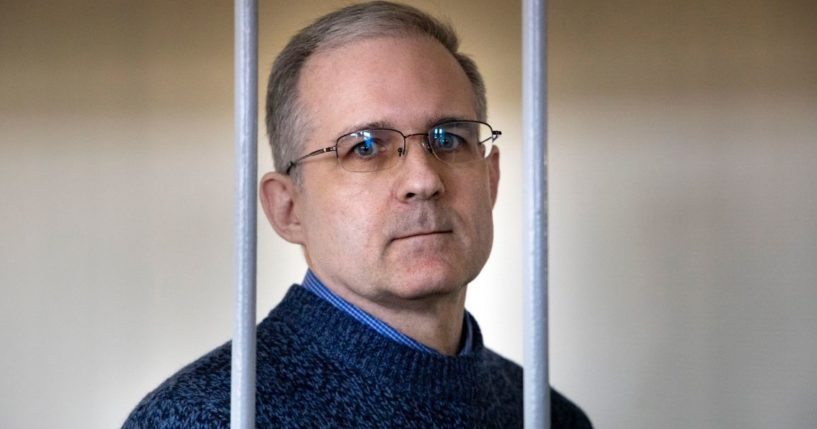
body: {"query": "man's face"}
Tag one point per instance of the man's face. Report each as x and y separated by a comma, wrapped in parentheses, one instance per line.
(419, 229)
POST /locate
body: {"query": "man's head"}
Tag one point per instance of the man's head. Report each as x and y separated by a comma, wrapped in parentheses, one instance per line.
(288, 124)
(420, 229)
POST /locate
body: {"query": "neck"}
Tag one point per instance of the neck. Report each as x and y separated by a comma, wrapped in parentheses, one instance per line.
(435, 321)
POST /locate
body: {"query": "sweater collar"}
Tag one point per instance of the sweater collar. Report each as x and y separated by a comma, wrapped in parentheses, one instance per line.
(355, 346)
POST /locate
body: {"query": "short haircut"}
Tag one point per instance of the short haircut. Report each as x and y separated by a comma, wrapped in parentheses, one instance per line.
(288, 123)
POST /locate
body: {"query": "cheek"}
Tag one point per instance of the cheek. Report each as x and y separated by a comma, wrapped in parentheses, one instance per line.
(484, 223)
(352, 219)
(476, 203)
(479, 213)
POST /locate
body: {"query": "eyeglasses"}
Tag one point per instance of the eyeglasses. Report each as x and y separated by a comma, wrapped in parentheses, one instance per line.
(454, 142)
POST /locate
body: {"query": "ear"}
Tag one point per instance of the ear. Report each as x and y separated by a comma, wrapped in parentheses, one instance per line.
(278, 197)
(493, 173)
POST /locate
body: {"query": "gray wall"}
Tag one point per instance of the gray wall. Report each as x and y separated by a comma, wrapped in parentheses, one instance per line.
(683, 185)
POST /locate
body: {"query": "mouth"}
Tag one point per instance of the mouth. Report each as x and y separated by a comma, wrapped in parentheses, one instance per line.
(422, 234)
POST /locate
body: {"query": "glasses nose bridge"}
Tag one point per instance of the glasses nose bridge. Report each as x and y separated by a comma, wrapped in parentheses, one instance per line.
(424, 143)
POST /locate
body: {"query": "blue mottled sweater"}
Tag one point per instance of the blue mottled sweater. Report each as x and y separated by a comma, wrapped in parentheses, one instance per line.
(317, 367)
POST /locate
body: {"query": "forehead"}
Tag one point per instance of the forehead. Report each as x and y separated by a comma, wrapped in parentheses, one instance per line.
(404, 82)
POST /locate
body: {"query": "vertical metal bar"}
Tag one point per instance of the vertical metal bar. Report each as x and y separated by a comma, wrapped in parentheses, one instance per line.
(534, 124)
(242, 395)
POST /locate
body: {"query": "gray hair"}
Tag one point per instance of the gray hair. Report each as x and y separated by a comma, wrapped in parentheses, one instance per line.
(287, 122)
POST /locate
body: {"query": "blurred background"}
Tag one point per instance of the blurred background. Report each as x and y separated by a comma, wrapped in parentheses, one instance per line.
(683, 203)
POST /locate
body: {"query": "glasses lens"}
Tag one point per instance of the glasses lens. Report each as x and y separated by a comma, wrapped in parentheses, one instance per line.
(369, 150)
(460, 142)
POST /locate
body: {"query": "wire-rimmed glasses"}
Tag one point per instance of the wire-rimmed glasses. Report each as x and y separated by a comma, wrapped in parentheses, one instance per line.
(375, 149)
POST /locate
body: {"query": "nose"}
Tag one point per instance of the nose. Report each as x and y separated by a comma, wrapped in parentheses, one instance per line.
(419, 176)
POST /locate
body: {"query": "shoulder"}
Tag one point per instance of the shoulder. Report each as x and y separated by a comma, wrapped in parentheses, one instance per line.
(507, 370)
(198, 396)
(565, 414)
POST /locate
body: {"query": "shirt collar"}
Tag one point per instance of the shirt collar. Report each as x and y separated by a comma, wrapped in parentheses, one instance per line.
(313, 284)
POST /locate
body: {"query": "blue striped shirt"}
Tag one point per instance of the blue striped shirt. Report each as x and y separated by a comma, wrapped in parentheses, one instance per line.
(313, 284)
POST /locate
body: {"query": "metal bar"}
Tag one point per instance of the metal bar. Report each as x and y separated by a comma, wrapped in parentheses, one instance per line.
(242, 395)
(534, 124)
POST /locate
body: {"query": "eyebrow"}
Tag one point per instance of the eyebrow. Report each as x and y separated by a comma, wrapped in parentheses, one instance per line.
(386, 124)
(442, 119)
(366, 126)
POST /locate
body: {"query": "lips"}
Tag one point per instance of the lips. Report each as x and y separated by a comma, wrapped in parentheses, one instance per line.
(422, 234)
(427, 221)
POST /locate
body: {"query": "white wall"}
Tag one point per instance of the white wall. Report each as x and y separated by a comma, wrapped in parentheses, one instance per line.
(683, 203)
(685, 211)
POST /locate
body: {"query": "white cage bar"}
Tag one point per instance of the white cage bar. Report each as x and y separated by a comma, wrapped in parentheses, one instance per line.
(242, 394)
(534, 152)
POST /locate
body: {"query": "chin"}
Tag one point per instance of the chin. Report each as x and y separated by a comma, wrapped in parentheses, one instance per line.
(422, 283)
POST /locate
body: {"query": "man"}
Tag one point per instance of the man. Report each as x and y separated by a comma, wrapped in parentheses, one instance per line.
(386, 176)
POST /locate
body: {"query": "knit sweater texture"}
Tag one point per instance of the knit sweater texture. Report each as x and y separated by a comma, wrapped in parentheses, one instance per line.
(317, 367)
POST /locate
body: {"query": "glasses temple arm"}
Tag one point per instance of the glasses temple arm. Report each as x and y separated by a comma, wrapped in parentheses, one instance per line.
(292, 164)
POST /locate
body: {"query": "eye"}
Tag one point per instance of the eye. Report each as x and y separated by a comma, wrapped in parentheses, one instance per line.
(365, 149)
(365, 146)
(446, 141)
(368, 150)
